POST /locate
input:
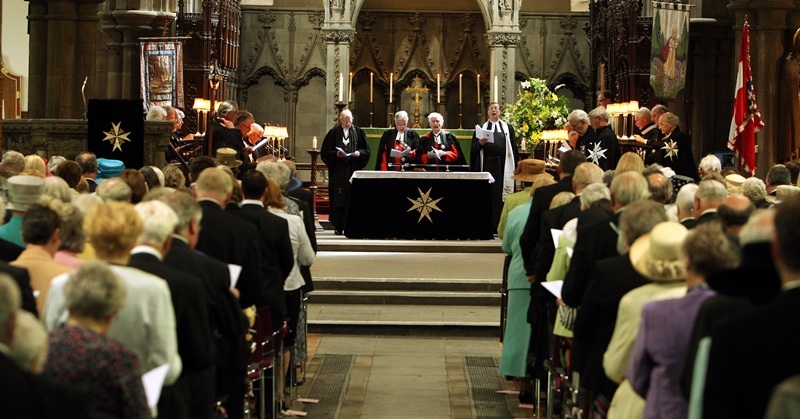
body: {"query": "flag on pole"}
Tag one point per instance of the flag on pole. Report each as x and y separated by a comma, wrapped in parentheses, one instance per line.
(746, 119)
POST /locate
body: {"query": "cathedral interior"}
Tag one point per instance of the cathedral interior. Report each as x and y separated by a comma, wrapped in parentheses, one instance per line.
(289, 61)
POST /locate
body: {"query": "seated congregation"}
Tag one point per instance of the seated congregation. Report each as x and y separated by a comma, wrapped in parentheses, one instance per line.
(677, 299)
(98, 288)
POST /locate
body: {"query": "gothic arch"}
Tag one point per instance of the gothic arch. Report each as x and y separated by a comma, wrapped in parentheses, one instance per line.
(360, 3)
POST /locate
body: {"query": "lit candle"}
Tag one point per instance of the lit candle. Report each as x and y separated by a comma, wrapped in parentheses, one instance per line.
(438, 89)
(459, 88)
(478, 88)
(350, 91)
(341, 86)
(496, 89)
(391, 88)
(370, 86)
(314, 143)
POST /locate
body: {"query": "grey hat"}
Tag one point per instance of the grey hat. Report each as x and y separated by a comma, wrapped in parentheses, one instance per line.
(24, 191)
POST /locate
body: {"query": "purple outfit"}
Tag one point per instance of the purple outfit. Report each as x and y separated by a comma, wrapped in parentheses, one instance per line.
(657, 360)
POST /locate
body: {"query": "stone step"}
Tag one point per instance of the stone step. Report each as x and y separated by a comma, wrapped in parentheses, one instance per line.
(408, 284)
(406, 320)
(462, 298)
(331, 243)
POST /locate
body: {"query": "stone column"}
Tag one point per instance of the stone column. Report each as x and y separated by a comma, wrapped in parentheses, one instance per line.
(503, 52)
(37, 59)
(337, 43)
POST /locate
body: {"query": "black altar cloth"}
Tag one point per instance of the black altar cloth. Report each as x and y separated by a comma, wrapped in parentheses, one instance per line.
(420, 205)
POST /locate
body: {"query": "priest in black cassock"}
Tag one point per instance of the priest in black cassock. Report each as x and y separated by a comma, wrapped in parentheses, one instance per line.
(402, 139)
(498, 158)
(439, 148)
(344, 150)
(675, 149)
(603, 150)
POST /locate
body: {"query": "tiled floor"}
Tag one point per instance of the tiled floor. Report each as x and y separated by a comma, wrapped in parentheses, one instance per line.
(401, 377)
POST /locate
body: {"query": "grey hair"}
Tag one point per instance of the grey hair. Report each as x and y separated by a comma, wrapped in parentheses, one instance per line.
(436, 115)
(598, 113)
(593, 193)
(639, 218)
(30, 342)
(644, 112)
(185, 207)
(72, 236)
(754, 189)
(227, 107)
(586, 174)
(158, 222)
(629, 187)
(85, 202)
(94, 291)
(671, 118)
(10, 300)
(662, 192)
(57, 187)
(708, 250)
(114, 189)
(653, 168)
(685, 199)
(14, 160)
(401, 115)
(710, 163)
(156, 113)
(346, 112)
(608, 176)
(760, 228)
(214, 182)
(278, 172)
(711, 190)
(659, 108)
(578, 115)
(52, 165)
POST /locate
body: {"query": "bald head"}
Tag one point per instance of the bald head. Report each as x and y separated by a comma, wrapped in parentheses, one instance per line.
(660, 188)
(733, 212)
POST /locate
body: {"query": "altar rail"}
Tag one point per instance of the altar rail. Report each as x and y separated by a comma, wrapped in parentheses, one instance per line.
(68, 138)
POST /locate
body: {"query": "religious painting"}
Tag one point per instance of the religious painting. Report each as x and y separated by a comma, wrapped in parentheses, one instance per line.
(162, 73)
(116, 130)
(669, 50)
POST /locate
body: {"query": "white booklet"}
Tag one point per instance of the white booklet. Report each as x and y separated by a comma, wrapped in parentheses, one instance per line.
(348, 154)
(153, 381)
(554, 287)
(235, 271)
(481, 134)
(397, 153)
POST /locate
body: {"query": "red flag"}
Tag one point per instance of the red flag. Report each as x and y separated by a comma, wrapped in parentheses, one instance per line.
(746, 119)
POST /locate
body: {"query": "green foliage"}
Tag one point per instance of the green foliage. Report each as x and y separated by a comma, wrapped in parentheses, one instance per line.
(537, 109)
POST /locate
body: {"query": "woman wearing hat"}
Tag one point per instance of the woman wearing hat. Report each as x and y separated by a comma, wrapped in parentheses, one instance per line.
(527, 172)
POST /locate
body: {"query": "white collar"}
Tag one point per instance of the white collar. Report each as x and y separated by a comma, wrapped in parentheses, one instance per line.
(148, 250)
(253, 202)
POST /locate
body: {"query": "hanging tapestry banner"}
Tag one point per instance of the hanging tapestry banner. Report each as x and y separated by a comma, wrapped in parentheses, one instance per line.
(162, 73)
(669, 48)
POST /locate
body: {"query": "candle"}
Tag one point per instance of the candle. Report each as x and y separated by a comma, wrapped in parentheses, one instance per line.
(350, 91)
(391, 88)
(478, 88)
(438, 89)
(370, 86)
(459, 88)
(314, 143)
(341, 86)
(496, 89)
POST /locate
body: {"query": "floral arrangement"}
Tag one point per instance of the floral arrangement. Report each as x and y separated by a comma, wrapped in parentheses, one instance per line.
(537, 109)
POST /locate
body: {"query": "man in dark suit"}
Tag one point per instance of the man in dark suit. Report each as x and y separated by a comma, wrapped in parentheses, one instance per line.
(193, 393)
(611, 278)
(224, 131)
(675, 148)
(401, 138)
(751, 354)
(541, 203)
(597, 241)
(603, 150)
(707, 199)
(586, 174)
(24, 394)
(88, 163)
(684, 204)
(228, 323)
(23, 281)
(276, 247)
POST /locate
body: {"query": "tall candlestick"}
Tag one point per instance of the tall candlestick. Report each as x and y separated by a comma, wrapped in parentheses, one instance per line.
(350, 91)
(370, 86)
(478, 88)
(496, 89)
(391, 88)
(438, 88)
(341, 86)
(459, 88)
